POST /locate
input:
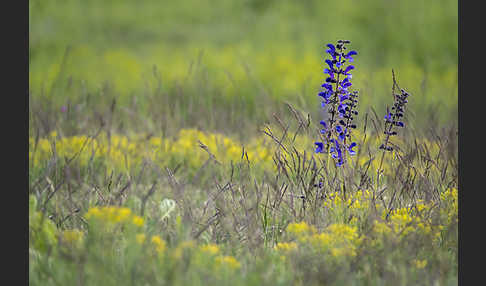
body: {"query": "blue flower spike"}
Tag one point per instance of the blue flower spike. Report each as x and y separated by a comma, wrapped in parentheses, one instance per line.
(339, 102)
(392, 117)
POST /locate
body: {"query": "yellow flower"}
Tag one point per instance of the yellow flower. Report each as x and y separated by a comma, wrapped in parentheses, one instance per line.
(159, 243)
(138, 221)
(344, 231)
(114, 215)
(229, 261)
(420, 263)
(210, 248)
(301, 229)
(93, 212)
(123, 214)
(72, 236)
(382, 228)
(284, 246)
(336, 252)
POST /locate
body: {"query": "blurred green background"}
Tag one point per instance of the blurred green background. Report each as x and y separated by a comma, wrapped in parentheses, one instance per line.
(228, 65)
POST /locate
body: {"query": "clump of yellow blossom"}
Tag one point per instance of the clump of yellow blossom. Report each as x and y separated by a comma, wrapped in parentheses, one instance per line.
(138, 221)
(350, 208)
(211, 248)
(159, 243)
(229, 261)
(123, 153)
(285, 246)
(449, 199)
(338, 239)
(72, 237)
(114, 215)
(381, 228)
(419, 264)
(402, 221)
(302, 230)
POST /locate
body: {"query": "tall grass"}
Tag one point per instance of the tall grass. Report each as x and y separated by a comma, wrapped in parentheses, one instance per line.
(173, 144)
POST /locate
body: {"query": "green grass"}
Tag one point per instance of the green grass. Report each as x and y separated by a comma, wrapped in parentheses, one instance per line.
(149, 70)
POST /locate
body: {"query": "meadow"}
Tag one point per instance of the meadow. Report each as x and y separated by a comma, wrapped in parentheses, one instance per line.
(174, 143)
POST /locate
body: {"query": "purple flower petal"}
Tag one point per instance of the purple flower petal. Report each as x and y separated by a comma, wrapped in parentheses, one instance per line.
(350, 148)
(350, 67)
(329, 62)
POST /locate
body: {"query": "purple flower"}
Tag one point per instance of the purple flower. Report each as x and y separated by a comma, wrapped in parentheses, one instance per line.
(342, 109)
(325, 94)
(349, 55)
(342, 135)
(327, 86)
(343, 98)
(331, 50)
(323, 123)
(320, 147)
(349, 68)
(341, 132)
(346, 84)
(336, 151)
(324, 127)
(63, 108)
(341, 101)
(350, 148)
(396, 113)
(329, 62)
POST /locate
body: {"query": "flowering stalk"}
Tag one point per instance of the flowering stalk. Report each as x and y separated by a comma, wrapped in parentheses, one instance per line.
(340, 103)
(393, 120)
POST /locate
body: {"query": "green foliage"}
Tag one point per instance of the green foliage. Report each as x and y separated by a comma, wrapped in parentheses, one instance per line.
(42, 231)
(152, 160)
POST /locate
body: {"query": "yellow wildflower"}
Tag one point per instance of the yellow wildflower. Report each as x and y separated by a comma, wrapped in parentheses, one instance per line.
(159, 243)
(420, 263)
(93, 212)
(210, 248)
(229, 261)
(285, 246)
(301, 229)
(122, 214)
(381, 228)
(138, 221)
(72, 236)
